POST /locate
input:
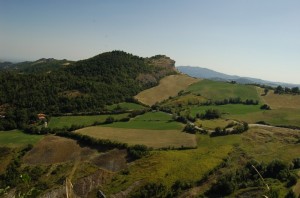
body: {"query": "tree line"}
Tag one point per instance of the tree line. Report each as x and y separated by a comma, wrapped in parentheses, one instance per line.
(286, 90)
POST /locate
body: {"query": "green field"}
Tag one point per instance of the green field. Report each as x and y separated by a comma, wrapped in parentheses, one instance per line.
(186, 166)
(220, 90)
(212, 124)
(17, 138)
(149, 120)
(68, 121)
(229, 109)
(274, 117)
(125, 106)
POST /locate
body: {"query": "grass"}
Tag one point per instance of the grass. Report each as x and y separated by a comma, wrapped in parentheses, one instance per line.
(265, 144)
(212, 124)
(150, 120)
(186, 165)
(229, 109)
(150, 138)
(168, 86)
(125, 106)
(274, 117)
(277, 101)
(16, 138)
(188, 99)
(220, 90)
(68, 121)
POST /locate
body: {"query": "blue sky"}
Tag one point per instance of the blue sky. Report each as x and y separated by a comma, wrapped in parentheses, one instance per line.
(256, 38)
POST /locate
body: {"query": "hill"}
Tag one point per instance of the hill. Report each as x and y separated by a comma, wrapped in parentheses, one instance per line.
(200, 72)
(42, 65)
(85, 85)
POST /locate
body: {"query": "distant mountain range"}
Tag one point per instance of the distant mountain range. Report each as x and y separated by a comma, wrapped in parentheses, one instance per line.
(200, 72)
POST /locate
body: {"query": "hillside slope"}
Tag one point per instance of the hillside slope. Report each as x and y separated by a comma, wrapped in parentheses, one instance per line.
(168, 86)
(86, 85)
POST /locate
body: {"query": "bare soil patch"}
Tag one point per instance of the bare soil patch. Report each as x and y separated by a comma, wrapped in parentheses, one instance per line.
(113, 160)
(54, 149)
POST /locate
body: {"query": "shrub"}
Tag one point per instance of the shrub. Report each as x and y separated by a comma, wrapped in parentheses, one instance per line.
(138, 151)
(265, 107)
(296, 163)
(292, 180)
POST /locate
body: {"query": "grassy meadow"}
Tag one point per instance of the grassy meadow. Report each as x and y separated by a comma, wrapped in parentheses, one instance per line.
(68, 121)
(150, 120)
(16, 138)
(220, 90)
(229, 109)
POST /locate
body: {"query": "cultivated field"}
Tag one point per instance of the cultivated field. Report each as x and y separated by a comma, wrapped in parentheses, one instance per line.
(150, 120)
(68, 121)
(150, 138)
(17, 138)
(168, 86)
(277, 101)
(220, 90)
(54, 149)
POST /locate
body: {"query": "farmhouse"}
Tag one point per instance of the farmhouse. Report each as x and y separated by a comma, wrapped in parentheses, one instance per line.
(41, 116)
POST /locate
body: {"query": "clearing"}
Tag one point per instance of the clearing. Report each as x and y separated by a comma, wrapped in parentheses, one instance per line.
(168, 86)
(150, 138)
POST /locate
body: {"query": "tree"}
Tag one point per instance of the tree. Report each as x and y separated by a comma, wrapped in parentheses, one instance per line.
(279, 90)
(290, 194)
(295, 90)
(212, 114)
(266, 90)
(265, 107)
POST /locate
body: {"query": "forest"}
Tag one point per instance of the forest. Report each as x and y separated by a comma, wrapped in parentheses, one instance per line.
(83, 86)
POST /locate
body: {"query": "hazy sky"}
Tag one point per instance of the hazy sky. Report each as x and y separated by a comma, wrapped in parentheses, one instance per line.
(256, 38)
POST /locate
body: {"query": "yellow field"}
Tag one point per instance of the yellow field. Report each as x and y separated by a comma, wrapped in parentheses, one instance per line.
(277, 101)
(168, 86)
(150, 138)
